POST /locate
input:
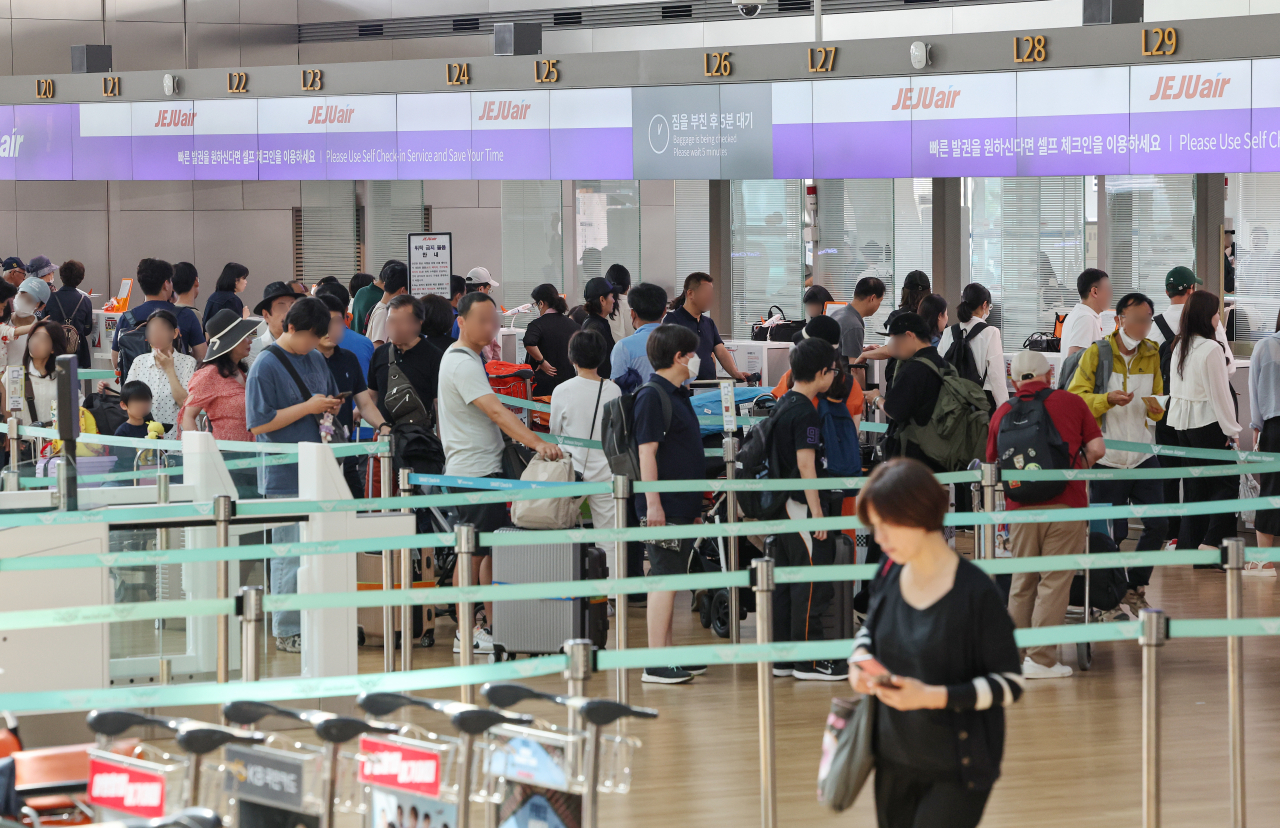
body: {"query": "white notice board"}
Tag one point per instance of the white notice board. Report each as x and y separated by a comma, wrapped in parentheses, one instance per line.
(430, 263)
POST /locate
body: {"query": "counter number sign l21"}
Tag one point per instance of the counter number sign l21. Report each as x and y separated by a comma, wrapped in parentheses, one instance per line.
(430, 263)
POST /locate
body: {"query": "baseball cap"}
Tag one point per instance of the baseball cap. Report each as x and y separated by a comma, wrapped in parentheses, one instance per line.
(37, 288)
(1028, 364)
(916, 280)
(480, 276)
(597, 287)
(1179, 278)
(909, 322)
(12, 263)
(819, 327)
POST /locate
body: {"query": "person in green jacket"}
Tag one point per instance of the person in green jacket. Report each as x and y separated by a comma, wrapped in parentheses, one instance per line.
(365, 298)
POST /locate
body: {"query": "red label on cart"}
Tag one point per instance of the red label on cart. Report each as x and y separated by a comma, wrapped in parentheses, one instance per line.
(392, 765)
(125, 789)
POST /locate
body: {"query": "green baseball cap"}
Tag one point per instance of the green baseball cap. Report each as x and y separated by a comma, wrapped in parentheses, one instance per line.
(1180, 278)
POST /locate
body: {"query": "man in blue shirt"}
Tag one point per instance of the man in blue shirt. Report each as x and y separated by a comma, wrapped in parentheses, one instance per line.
(155, 277)
(695, 301)
(629, 359)
(670, 449)
(278, 411)
(356, 343)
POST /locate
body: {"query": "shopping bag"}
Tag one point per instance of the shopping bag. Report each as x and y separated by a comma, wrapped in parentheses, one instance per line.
(846, 752)
(1249, 488)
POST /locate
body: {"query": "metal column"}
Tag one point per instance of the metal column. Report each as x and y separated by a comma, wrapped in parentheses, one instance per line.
(1155, 631)
(406, 582)
(465, 547)
(68, 425)
(621, 494)
(1233, 559)
(762, 568)
(731, 510)
(990, 479)
(251, 625)
(224, 508)
(388, 569)
(581, 664)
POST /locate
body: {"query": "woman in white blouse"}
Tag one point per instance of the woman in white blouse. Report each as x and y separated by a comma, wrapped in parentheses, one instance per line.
(988, 353)
(165, 371)
(1202, 413)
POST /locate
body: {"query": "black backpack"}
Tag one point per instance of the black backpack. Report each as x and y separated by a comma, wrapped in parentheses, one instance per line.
(1107, 587)
(1166, 351)
(755, 457)
(618, 430)
(132, 342)
(1029, 440)
(960, 354)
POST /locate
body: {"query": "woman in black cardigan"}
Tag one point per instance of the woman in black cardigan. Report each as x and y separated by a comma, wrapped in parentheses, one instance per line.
(939, 626)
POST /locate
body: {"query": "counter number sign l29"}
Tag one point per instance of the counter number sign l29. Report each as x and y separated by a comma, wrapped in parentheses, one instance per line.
(430, 263)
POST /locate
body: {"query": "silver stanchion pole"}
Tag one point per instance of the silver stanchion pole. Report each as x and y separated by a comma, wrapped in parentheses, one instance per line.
(990, 479)
(251, 621)
(1233, 558)
(581, 664)
(731, 509)
(388, 569)
(1155, 631)
(224, 508)
(406, 582)
(68, 425)
(621, 494)
(762, 568)
(465, 544)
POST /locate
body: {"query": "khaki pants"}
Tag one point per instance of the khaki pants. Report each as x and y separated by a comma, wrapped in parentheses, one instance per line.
(1039, 599)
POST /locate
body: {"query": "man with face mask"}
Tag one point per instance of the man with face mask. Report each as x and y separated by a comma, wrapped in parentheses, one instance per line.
(1121, 393)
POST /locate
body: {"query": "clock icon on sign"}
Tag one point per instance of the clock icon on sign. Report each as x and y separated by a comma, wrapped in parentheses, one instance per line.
(659, 134)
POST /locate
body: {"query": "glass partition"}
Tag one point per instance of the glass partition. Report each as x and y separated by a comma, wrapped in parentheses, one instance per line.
(608, 231)
(1253, 203)
(767, 251)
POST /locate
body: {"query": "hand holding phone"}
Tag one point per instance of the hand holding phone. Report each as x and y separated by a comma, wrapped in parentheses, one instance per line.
(870, 671)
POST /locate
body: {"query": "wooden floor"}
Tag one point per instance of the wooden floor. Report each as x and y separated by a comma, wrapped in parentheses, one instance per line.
(1072, 756)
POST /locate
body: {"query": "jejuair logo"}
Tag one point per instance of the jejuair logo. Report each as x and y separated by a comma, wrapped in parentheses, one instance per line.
(331, 115)
(927, 97)
(1191, 86)
(10, 144)
(174, 118)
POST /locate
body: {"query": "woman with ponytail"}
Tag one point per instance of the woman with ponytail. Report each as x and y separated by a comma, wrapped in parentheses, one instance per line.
(988, 352)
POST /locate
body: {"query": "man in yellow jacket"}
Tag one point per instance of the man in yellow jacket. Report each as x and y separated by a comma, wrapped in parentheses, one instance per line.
(1122, 392)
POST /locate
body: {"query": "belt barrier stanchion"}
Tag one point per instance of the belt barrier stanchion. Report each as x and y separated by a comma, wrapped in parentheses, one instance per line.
(990, 479)
(1233, 559)
(224, 508)
(12, 476)
(1155, 631)
(406, 582)
(762, 569)
(621, 494)
(465, 546)
(581, 664)
(251, 622)
(731, 509)
(388, 569)
(68, 424)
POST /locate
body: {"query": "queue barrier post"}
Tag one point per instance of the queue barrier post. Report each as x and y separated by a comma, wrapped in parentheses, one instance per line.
(763, 584)
(1155, 632)
(1233, 559)
(731, 510)
(406, 583)
(465, 544)
(388, 568)
(12, 475)
(581, 653)
(990, 479)
(251, 626)
(621, 494)
(224, 508)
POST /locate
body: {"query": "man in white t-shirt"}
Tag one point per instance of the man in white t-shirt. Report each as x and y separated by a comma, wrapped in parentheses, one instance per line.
(1083, 326)
(472, 422)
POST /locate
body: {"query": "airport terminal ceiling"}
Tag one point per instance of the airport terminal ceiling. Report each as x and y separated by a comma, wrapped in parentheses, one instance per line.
(1200, 96)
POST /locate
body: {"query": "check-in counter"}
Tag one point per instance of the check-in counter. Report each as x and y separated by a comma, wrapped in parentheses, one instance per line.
(770, 359)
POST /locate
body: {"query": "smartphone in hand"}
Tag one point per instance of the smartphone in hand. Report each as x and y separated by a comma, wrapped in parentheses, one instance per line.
(876, 672)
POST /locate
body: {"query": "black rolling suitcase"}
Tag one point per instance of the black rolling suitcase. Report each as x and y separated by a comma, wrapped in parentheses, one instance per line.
(838, 621)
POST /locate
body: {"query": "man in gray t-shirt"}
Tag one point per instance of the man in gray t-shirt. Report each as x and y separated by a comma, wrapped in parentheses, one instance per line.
(472, 422)
(867, 295)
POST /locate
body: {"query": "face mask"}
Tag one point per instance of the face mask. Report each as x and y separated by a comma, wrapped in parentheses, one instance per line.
(695, 363)
(1129, 344)
(23, 305)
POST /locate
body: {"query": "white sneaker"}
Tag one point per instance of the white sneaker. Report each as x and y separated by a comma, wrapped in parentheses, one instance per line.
(1259, 569)
(1033, 670)
(481, 641)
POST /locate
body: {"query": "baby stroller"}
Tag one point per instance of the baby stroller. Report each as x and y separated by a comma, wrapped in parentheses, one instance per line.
(711, 555)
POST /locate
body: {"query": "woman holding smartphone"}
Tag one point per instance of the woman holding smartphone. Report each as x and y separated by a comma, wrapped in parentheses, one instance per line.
(937, 650)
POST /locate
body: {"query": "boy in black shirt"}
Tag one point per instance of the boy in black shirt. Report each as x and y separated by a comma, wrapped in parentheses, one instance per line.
(796, 452)
(135, 399)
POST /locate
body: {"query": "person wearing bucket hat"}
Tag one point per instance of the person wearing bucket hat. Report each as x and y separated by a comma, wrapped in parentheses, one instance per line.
(277, 298)
(600, 308)
(217, 387)
(41, 268)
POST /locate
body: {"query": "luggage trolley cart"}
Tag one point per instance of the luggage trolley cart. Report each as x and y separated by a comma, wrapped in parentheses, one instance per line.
(512, 383)
(549, 770)
(152, 782)
(416, 769)
(284, 783)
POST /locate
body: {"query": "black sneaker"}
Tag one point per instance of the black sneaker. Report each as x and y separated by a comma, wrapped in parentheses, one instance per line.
(695, 670)
(666, 675)
(822, 671)
(783, 669)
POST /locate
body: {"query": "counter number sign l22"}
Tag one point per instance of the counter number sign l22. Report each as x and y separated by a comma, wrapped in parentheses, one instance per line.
(430, 263)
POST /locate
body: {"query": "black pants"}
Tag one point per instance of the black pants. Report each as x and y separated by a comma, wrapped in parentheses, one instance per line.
(1207, 530)
(798, 608)
(1168, 436)
(1155, 530)
(635, 549)
(485, 517)
(904, 800)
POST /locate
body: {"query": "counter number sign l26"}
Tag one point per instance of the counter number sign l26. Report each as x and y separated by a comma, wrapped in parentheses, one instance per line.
(430, 263)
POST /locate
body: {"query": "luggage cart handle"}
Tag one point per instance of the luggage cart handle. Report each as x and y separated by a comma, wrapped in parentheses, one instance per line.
(465, 717)
(186, 818)
(595, 711)
(112, 723)
(198, 738)
(328, 726)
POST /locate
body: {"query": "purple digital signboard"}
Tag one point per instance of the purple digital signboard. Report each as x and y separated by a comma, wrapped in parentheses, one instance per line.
(360, 136)
(509, 135)
(43, 133)
(291, 140)
(962, 125)
(590, 134)
(225, 145)
(1073, 122)
(1264, 132)
(861, 128)
(434, 136)
(792, 106)
(1190, 118)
